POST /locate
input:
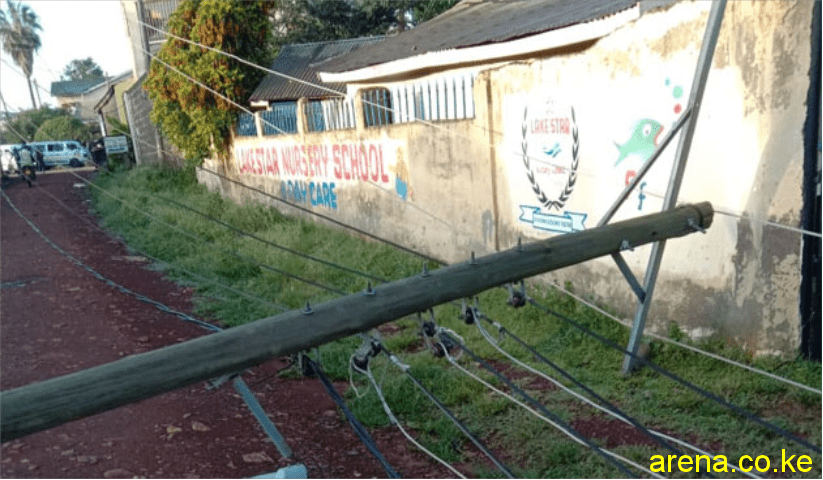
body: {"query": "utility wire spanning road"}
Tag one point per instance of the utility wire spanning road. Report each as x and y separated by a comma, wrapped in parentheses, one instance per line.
(57, 318)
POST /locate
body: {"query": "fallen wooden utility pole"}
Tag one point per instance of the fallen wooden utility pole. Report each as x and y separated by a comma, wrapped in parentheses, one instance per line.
(53, 402)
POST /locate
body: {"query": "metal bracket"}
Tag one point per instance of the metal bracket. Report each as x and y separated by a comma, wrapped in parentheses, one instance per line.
(257, 410)
(629, 275)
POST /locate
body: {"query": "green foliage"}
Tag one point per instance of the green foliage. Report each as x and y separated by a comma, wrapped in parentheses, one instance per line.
(28, 123)
(18, 33)
(118, 128)
(63, 128)
(82, 69)
(317, 20)
(192, 117)
(529, 445)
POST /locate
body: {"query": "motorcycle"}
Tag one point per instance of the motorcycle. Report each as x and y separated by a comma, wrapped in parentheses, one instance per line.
(27, 172)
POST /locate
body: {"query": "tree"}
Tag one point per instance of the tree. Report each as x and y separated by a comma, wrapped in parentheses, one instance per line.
(18, 32)
(63, 128)
(190, 116)
(28, 123)
(318, 20)
(84, 69)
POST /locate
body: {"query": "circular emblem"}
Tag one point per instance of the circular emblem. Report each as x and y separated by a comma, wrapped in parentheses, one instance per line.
(551, 163)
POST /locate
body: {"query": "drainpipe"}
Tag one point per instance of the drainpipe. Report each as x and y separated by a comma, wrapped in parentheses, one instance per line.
(810, 284)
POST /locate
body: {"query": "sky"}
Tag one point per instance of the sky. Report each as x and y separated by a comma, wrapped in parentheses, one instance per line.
(72, 29)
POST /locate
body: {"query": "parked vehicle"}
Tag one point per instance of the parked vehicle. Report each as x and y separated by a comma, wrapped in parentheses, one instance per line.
(9, 163)
(63, 152)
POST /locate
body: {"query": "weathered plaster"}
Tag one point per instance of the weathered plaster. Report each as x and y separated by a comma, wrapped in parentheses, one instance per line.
(740, 280)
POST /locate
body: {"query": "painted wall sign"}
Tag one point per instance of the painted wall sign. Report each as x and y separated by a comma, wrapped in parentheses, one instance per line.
(549, 147)
(311, 173)
(355, 162)
(567, 223)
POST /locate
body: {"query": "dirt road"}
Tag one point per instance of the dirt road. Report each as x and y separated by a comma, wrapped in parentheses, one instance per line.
(57, 318)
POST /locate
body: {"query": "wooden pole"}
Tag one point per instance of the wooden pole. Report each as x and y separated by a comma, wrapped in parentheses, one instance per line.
(53, 402)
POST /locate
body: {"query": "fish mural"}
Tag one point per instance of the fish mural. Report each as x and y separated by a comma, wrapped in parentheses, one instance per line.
(642, 142)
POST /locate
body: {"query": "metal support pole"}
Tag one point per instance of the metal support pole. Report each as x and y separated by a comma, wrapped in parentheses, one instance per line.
(704, 63)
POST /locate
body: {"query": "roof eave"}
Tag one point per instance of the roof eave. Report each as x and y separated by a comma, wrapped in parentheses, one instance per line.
(560, 37)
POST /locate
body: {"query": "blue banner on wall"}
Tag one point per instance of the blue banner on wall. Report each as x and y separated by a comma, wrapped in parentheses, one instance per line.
(566, 223)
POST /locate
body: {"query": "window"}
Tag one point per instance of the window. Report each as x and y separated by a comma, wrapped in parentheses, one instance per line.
(55, 147)
(377, 107)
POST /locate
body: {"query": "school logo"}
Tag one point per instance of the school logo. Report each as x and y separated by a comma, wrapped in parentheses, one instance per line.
(550, 150)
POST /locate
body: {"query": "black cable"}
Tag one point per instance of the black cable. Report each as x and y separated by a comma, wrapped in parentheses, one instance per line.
(502, 467)
(691, 386)
(612, 407)
(272, 244)
(169, 265)
(329, 219)
(241, 257)
(359, 429)
(98, 275)
(538, 405)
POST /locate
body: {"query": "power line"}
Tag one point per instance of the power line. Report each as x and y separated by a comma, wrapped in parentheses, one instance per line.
(676, 378)
(106, 280)
(322, 87)
(611, 408)
(246, 110)
(745, 216)
(379, 391)
(544, 413)
(234, 254)
(689, 347)
(327, 218)
(169, 265)
(240, 385)
(405, 368)
(269, 243)
(606, 407)
(359, 429)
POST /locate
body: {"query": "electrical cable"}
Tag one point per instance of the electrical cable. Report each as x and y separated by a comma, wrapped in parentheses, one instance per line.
(676, 378)
(405, 368)
(606, 407)
(359, 429)
(544, 413)
(327, 218)
(743, 216)
(246, 110)
(322, 87)
(106, 280)
(167, 264)
(234, 254)
(689, 347)
(251, 401)
(271, 244)
(611, 408)
(397, 424)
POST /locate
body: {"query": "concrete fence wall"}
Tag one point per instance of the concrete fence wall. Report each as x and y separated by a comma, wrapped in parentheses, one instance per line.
(553, 141)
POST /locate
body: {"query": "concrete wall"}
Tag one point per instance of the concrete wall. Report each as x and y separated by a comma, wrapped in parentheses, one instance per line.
(742, 279)
(552, 143)
(429, 189)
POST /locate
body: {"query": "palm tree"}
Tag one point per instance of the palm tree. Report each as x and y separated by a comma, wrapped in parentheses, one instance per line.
(18, 32)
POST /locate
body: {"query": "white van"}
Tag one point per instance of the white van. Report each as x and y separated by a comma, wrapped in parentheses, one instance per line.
(9, 164)
(63, 152)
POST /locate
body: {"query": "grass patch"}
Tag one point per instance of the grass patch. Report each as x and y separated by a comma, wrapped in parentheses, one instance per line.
(192, 243)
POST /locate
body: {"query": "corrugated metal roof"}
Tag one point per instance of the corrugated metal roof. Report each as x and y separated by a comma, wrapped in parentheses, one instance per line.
(72, 88)
(477, 22)
(299, 61)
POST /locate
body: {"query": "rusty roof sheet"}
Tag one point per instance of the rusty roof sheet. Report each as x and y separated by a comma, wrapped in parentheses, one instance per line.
(478, 22)
(299, 61)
